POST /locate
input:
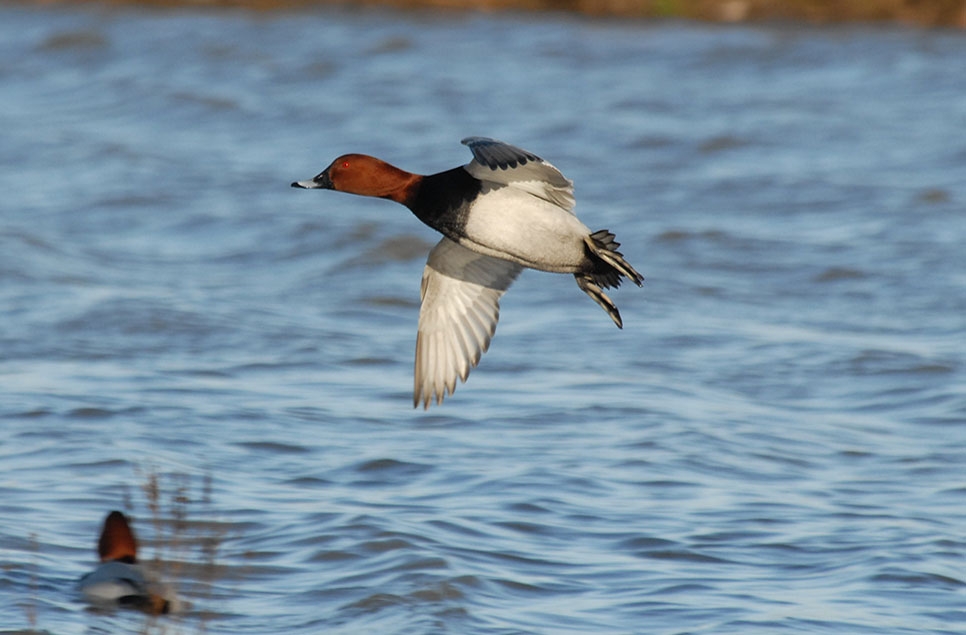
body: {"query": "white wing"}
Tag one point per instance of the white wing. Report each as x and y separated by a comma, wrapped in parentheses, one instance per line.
(460, 293)
(504, 164)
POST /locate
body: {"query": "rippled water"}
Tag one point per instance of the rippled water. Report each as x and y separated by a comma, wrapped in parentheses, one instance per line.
(775, 443)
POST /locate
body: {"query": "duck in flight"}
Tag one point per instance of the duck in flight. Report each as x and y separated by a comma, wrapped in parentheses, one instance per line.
(505, 211)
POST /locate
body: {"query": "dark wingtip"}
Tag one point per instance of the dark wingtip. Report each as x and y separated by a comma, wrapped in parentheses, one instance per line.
(498, 155)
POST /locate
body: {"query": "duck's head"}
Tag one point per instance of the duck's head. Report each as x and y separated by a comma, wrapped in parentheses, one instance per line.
(117, 541)
(363, 175)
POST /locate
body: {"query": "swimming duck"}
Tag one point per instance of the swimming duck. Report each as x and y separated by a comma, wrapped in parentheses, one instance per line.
(504, 211)
(119, 579)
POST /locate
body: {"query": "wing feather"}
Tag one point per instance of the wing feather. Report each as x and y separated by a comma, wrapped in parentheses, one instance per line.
(461, 293)
(503, 164)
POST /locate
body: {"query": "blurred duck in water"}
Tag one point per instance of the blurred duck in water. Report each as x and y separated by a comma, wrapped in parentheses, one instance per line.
(120, 580)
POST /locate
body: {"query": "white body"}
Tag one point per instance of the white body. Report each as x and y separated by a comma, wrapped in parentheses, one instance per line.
(111, 581)
(511, 223)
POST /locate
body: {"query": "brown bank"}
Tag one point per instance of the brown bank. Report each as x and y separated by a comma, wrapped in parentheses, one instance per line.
(930, 13)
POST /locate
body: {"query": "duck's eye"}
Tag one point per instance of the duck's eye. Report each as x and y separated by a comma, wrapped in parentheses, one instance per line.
(345, 164)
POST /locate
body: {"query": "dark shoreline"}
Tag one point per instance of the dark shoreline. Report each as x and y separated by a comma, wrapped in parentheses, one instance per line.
(925, 13)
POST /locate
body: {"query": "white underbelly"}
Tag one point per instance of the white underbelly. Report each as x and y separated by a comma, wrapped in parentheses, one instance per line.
(517, 226)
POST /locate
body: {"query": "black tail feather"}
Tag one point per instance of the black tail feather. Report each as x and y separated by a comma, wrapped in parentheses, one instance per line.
(608, 267)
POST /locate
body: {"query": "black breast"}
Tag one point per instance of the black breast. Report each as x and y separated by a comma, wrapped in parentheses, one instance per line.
(442, 200)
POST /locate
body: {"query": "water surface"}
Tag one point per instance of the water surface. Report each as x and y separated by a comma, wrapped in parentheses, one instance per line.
(773, 444)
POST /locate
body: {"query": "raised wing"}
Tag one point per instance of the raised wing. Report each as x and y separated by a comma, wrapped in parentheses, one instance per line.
(502, 163)
(460, 292)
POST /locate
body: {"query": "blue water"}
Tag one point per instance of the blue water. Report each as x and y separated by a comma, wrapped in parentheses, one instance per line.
(775, 442)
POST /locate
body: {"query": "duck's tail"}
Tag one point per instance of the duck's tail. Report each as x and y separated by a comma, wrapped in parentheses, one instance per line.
(151, 603)
(609, 268)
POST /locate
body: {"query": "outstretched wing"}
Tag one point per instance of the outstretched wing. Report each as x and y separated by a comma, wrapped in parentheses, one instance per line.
(504, 164)
(460, 293)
